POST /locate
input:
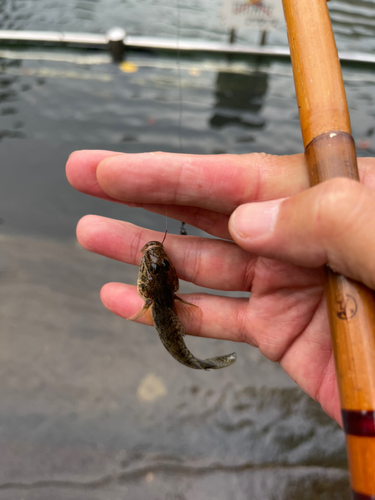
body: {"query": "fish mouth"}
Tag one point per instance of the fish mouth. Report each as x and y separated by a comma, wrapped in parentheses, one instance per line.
(151, 244)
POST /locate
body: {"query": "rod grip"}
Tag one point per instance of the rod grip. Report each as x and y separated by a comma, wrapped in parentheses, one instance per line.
(351, 309)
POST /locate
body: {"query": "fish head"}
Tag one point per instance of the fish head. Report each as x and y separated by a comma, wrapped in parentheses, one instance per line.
(156, 272)
(152, 245)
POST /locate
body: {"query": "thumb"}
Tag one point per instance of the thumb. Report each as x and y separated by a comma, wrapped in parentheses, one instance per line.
(332, 223)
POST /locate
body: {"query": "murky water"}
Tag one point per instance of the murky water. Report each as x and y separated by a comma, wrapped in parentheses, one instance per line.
(89, 402)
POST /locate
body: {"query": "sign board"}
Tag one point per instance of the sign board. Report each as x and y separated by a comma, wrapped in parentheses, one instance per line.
(260, 14)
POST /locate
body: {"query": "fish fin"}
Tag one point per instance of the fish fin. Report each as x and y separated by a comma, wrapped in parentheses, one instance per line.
(176, 297)
(187, 314)
(143, 311)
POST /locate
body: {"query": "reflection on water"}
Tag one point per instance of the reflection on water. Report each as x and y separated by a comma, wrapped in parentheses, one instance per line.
(353, 22)
(10, 86)
(239, 99)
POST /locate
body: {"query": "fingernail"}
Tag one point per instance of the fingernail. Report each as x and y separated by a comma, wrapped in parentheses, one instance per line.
(255, 219)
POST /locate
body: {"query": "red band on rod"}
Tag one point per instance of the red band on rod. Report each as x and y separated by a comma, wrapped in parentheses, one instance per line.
(359, 496)
(359, 423)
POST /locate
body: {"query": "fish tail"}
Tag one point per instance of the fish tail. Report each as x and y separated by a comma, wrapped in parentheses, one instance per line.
(218, 362)
(171, 332)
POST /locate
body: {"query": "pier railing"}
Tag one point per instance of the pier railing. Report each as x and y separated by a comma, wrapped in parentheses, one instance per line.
(118, 43)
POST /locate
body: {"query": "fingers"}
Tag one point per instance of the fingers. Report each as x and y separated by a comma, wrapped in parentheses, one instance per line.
(332, 223)
(81, 171)
(211, 263)
(205, 189)
(217, 182)
(215, 320)
(211, 222)
(214, 182)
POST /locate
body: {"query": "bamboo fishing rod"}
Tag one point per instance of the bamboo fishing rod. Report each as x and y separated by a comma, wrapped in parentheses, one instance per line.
(330, 152)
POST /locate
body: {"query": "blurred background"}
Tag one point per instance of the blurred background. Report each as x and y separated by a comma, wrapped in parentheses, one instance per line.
(93, 406)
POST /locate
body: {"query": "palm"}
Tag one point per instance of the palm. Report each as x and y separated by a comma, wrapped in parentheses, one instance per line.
(285, 315)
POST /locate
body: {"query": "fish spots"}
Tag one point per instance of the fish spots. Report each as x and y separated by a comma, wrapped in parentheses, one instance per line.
(151, 388)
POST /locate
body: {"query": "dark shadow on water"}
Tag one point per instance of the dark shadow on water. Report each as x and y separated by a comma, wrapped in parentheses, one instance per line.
(239, 99)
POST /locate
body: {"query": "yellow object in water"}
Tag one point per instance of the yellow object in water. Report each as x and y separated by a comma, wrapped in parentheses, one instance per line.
(128, 67)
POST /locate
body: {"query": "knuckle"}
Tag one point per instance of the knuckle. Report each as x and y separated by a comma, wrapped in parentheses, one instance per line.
(336, 206)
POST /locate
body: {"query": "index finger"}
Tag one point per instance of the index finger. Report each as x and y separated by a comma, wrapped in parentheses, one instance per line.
(215, 182)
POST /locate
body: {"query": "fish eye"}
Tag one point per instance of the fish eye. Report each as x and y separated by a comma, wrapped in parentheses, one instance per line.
(154, 268)
(165, 264)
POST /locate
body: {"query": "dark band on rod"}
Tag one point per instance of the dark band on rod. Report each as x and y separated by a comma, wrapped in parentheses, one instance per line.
(359, 423)
(359, 496)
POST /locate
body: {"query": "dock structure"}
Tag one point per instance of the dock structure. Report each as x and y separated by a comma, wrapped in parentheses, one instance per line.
(118, 43)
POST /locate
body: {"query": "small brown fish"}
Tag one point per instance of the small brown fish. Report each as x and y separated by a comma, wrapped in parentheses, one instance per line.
(157, 284)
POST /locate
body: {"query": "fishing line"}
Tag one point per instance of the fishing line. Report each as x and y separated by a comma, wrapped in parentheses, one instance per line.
(178, 64)
(180, 108)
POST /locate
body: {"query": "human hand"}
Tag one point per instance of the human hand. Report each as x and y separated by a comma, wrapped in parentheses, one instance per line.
(278, 251)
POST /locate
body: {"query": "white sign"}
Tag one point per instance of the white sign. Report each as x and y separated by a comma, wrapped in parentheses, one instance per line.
(260, 14)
